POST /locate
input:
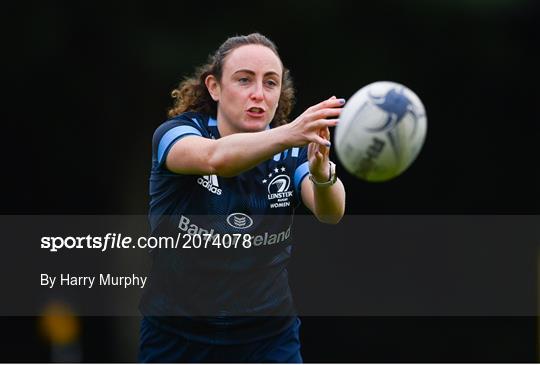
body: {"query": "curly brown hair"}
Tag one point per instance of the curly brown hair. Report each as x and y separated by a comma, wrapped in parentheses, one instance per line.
(192, 94)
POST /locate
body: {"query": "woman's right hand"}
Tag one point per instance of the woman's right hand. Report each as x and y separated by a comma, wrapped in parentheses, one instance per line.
(306, 128)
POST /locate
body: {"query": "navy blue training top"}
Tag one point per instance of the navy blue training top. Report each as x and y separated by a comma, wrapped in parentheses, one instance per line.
(218, 294)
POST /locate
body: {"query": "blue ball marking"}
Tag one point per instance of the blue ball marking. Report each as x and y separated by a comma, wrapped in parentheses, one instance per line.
(395, 104)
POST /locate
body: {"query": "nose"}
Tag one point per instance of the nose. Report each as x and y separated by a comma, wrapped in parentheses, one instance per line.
(257, 94)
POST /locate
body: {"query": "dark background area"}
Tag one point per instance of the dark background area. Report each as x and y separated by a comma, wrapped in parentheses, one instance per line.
(86, 83)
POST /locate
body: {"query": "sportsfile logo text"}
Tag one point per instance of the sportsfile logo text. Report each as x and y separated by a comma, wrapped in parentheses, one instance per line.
(188, 237)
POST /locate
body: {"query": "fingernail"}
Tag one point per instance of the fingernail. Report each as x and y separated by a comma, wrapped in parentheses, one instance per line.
(341, 101)
(328, 144)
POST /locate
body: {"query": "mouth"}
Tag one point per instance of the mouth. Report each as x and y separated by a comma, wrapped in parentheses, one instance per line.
(255, 111)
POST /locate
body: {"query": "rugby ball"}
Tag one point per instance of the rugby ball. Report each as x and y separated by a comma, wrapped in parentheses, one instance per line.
(381, 130)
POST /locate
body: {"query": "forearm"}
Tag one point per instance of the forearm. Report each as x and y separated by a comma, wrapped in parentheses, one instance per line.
(329, 202)
(239, 152)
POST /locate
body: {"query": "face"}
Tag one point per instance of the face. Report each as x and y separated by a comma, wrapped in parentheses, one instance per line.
(249, 89)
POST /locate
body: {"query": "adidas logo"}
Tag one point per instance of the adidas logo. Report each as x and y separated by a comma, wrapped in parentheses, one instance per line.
(210, 182)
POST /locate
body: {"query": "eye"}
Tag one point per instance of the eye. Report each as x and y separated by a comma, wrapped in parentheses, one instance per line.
(243, 80)
(271, 83)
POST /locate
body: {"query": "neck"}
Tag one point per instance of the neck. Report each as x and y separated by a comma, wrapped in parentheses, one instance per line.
(224, 128)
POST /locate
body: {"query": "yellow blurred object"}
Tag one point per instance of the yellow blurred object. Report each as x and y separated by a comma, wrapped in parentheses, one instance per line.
(58, 324)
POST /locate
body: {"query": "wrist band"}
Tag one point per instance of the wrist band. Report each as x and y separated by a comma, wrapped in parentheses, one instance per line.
(332, 177)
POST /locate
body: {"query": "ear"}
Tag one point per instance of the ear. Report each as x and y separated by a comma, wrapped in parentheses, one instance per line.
(212, 85)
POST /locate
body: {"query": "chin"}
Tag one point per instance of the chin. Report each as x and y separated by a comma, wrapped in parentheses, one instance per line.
(255, 126)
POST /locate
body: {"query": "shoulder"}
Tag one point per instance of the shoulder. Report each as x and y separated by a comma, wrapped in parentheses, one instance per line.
(189, 123)
(192, 121)
(174, 129)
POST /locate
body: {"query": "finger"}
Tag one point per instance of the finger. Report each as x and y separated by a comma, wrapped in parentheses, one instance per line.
(325, 133)
(315, 148)
(328, 103)
(324, 150)
(321, 141)
(325, 123)
(325, 113)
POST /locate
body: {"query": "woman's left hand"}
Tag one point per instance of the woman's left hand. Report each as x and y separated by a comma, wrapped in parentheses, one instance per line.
(318, 157)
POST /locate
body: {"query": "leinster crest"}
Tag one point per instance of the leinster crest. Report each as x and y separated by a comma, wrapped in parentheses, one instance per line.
(279, 186)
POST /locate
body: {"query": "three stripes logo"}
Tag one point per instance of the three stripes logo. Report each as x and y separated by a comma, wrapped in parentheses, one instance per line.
(210, 182)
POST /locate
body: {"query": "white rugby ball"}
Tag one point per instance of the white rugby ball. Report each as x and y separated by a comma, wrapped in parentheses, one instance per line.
(381, 130)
